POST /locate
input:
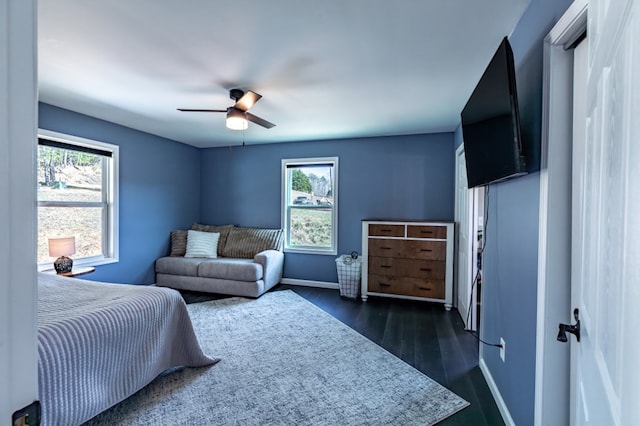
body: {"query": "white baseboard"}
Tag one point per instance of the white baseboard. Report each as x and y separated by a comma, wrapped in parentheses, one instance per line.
(504, 411)
(309, 283)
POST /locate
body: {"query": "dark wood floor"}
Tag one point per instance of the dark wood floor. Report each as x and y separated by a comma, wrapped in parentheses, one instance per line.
(422, 334)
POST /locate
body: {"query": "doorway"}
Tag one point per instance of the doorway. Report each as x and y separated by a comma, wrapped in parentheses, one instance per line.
(478, 219)
(552, 379)
(469, 219)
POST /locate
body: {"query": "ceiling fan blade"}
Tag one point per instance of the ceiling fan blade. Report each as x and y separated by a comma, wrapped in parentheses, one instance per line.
(247, 100)
(260, 121)
(201, 110)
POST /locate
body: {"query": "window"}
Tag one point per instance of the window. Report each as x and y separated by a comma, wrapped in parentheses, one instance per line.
(77, 197)
(310, 205)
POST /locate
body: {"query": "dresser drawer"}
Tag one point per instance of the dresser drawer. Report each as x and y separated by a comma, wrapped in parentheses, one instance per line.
(378, 230)
(427, 231)
(418, 268)
(410, 249)
(406, 286)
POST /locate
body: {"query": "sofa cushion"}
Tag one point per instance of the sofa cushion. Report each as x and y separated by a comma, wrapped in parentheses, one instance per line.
(223, 230)
(230, 269)
(178, 243)
(202, 244)
(178, 266)
(244, 243)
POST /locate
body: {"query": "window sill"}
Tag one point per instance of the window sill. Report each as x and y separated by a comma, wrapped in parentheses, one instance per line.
(85, 261)
(311, 251)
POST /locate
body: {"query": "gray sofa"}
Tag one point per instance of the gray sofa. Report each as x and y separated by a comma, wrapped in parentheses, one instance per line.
(249, 262)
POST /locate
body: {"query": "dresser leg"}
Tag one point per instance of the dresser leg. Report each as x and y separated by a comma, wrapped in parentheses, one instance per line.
(447, 306)
(364, 297)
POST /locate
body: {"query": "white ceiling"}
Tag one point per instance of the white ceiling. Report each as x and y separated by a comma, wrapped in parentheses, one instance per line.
(326, 69)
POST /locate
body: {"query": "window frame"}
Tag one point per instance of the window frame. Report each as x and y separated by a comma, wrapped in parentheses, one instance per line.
(110, 198)
(287, 204)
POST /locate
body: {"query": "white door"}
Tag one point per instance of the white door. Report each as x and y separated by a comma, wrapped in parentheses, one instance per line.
(463, 221)
(18, 125)
(605, 287)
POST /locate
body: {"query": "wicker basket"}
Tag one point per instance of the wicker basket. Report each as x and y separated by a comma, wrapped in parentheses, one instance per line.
(349, 271)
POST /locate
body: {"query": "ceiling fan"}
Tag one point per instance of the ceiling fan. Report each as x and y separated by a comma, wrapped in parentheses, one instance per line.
(238, 115)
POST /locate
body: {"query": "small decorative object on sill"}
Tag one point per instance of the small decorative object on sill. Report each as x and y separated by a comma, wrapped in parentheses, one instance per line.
(62, 247)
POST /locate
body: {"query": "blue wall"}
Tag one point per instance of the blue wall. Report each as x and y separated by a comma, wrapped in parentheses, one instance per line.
(159, 190)
(510, 260)
(167, 185)
(403, 177)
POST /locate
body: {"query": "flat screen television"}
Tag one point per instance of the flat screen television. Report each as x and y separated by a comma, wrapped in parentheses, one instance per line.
(491, 124)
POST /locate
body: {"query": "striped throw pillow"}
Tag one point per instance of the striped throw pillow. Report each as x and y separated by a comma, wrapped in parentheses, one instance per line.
(202, 244)
(245, 243)
(178, 243)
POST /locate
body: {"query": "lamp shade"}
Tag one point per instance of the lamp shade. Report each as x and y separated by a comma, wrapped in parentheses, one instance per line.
(236, 119)
(62, 246)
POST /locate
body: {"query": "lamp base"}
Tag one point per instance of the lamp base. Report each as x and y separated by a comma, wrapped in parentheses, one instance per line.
(63, 265)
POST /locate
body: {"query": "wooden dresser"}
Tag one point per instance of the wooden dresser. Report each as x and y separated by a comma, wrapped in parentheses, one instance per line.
(408, 259)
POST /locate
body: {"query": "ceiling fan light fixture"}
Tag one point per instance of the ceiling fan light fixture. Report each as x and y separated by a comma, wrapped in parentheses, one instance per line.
(236, 119)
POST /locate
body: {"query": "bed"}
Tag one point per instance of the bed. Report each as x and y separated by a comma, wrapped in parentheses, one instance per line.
(99, 343)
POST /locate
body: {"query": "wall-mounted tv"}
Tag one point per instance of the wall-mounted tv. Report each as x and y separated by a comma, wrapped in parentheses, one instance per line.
(491, 124)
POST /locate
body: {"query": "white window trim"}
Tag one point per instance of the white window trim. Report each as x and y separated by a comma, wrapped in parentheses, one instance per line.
(111, 234)
(286, 205)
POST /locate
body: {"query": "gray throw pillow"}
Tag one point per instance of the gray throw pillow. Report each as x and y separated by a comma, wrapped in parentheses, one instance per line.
(223, 230)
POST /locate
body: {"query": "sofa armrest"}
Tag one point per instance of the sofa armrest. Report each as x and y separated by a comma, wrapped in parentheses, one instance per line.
(272, 262)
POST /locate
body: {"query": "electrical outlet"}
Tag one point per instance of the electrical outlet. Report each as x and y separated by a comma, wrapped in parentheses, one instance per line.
(502, 349)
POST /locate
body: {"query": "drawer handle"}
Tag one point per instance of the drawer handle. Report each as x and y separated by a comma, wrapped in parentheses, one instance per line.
(425, 288)
(426, 269)
(426, 250)
(426, 232)
(386, 230)
(385, 248)
(385, 285)
(385, 266)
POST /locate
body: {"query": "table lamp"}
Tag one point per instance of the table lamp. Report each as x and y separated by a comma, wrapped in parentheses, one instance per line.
(62, 247)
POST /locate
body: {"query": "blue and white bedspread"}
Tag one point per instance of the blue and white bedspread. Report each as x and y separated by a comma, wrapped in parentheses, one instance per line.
(99, 343)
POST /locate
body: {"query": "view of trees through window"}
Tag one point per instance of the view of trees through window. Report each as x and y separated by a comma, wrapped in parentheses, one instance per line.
(70, 200)
(310, 209)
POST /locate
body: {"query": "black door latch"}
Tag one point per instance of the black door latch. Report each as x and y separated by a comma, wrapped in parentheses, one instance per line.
(573, 329)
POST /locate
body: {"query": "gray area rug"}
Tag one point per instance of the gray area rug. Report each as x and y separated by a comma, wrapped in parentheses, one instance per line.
(285, 362)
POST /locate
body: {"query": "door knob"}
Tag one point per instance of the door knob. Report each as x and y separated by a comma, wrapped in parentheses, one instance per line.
(573, 329)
